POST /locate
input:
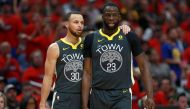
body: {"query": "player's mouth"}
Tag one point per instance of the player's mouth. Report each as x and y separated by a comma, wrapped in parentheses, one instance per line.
(79, 30)
(111, 24)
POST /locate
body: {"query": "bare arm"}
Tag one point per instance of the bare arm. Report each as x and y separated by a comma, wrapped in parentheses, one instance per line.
(86, 82)
(50, 63)
(146, 77)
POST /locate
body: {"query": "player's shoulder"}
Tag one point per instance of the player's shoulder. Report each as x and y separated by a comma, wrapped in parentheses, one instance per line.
(131, 34)
(53, 50)
(53, 46)
(89, 37)
(90, 34)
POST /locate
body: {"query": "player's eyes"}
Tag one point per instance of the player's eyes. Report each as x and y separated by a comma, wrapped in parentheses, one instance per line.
(111, 14)
(75, 22)
(82, 22)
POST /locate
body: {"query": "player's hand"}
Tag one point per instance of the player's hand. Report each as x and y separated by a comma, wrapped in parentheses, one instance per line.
(125, 29)
(149, 103)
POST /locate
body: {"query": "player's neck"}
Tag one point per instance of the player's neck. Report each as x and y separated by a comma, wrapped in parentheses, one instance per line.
(109, 32)
(72, 39)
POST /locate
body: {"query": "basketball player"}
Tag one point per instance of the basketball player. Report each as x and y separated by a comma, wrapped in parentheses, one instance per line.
(65, 57)
(107, 64)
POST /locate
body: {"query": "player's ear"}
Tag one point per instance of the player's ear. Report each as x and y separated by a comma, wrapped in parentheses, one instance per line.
(66, 23)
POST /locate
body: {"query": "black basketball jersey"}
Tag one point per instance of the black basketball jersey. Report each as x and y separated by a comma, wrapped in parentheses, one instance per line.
(69, 67)
(112, 58)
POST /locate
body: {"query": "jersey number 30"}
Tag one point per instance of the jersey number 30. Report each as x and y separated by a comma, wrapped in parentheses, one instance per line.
(75, 76)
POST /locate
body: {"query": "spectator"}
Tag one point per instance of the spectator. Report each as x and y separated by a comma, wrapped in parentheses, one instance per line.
(11, 93)
(28, 102)
(159, 96)
(9, 66)
(157, 68)
(28, 90)
(91, 12)
(11, 25)
(70, 6)
(171, 53)
(182, 101)
(21, 52)
(35, 71)
(3, 101)
(156, 40)
(44, 39)
(168, 89)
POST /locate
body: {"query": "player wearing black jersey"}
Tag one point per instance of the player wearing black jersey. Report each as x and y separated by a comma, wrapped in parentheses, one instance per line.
(65, 60)
(108, 65)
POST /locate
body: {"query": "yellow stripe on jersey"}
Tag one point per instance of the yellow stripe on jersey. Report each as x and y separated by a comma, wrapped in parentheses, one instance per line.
(74, 46)
(109, 37)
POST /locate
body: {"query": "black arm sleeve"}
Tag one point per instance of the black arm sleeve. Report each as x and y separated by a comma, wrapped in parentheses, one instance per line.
(135, 43)
(87, 52)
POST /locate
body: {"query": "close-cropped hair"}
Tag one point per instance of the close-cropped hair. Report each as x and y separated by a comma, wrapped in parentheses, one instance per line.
(111, 5)
(68, 15)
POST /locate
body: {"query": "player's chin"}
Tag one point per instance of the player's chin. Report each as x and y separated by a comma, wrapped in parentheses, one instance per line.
(112, 27)
(79, 31)
(79, 34)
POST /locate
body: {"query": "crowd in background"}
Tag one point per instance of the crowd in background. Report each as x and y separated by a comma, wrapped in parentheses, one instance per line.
(27, 27)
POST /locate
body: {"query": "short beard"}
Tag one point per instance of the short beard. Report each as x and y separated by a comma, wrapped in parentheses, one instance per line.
(75, 33)
(111, 28)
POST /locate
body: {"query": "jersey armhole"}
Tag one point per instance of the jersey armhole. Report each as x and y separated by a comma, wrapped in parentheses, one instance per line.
(88, 45)
(129, 40)
(91, 41)
(58, 42)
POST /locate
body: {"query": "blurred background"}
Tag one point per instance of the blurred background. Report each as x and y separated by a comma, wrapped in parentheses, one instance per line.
(28, 27)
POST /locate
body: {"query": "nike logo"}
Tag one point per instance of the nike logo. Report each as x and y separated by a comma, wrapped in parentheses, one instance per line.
(120, 37)
(100, 40)
(65, 48)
